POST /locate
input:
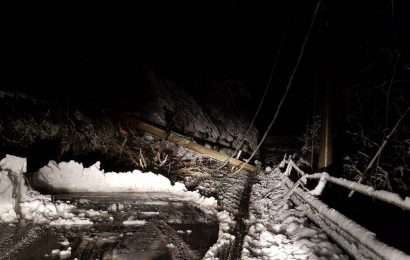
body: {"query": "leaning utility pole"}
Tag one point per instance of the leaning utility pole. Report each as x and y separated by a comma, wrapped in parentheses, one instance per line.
(183, 141)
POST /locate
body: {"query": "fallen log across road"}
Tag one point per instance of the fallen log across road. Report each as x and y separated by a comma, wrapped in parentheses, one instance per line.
(178, 139)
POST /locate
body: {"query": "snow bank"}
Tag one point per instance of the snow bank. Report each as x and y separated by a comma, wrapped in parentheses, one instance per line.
(10, 185)
(17, 201)
(14, 164)
(74, 177)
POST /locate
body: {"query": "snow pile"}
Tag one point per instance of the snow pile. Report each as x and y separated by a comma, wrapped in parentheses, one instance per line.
(278, 231)
(17, 201)
(226, 224)
(12, 186)
(74, 177)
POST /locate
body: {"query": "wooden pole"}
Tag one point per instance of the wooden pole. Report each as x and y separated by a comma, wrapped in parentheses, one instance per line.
(184, 142)
(326, 131)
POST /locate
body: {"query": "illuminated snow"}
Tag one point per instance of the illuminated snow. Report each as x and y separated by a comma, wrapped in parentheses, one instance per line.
(278, 231)
(134, 222)
(74, 177)
(17, 201)
(226, 222)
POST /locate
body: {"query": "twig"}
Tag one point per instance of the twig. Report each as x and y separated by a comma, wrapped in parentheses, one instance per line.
(163, 161)
(142, 160)
(132, 159)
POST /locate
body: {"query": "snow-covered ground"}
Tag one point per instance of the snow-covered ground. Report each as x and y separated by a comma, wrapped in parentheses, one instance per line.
(229, 189)
(225, 237)
(278, 231)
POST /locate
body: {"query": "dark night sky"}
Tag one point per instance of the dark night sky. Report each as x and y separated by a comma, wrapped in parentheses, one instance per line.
(98, 52)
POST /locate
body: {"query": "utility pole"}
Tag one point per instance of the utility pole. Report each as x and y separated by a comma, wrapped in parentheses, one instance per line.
(326, 131)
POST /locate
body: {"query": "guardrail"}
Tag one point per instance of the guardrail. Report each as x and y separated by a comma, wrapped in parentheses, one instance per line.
(324, 177)
(359, 242)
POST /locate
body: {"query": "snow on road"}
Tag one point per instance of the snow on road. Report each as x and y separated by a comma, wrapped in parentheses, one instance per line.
(278, 231)
(17, 201)
(137, 221)
(74, 177)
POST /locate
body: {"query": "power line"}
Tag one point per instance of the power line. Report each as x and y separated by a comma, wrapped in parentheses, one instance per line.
(265, 91)
(287, 87)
